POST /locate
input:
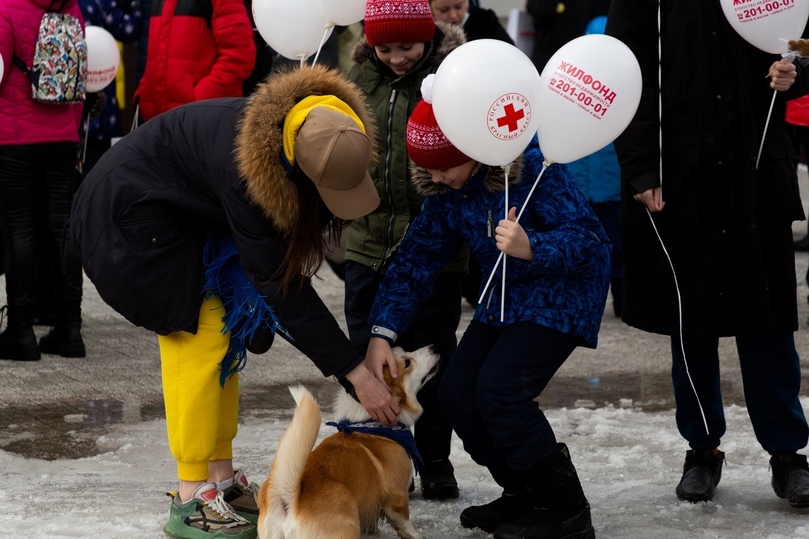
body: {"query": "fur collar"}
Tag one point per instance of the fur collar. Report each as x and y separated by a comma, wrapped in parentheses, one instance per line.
(259, 142)
(493, 180)
(447, 38)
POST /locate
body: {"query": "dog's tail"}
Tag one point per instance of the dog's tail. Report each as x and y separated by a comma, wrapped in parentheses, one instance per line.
(294, 448)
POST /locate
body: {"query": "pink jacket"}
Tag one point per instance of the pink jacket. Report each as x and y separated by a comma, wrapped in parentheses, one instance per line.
(22, 120)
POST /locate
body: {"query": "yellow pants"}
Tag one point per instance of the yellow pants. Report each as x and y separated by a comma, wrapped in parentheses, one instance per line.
(201, 415)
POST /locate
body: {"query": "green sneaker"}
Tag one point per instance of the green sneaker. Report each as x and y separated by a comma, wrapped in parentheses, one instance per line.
(242, 496)
(206, 516)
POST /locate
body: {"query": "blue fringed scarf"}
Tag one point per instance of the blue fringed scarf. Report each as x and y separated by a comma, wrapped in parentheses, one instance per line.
(398, 433)
(245, 308)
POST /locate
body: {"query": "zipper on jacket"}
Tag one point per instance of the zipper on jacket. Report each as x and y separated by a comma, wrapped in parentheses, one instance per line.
(387, 182)
(489, 225)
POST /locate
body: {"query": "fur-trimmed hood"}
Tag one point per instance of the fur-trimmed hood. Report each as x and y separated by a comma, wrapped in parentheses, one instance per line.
(447, 38)
(259, 143)
(493, 181)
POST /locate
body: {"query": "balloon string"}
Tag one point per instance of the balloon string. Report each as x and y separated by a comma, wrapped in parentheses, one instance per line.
(503, 280)
(766, 124)
(680, 320)
(545, 164)
(662, 245)
(322, 41)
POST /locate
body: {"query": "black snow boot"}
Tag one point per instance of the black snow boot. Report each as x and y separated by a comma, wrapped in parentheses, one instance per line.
(64, 340)
(790, 478)
(64, 337)
(438, 480)
(701, 473)
(561, 511)
(18, 341)
(513, 504)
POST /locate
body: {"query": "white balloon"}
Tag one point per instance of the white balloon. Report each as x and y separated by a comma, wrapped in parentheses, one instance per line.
(295, 29)
(767, 24)
(103, 58)
(591, 90)
(342, 12)
(484, 94)
(2, 68)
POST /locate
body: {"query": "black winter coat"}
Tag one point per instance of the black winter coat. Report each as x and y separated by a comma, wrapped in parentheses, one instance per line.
(558, 22)
(726, 225)
(143, 215)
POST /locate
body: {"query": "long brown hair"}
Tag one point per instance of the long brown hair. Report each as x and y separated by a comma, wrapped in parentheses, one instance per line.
(306, 241)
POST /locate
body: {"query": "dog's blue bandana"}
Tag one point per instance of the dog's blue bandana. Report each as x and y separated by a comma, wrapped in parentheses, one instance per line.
(398, 433)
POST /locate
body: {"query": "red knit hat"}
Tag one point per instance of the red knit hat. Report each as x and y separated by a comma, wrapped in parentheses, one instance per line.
(426, 144)
(398, 21)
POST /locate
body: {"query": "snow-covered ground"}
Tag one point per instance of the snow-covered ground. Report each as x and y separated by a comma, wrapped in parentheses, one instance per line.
(629, 463)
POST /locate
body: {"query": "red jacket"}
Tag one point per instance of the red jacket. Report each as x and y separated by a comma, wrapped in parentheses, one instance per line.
(23, 120)
(198, 49)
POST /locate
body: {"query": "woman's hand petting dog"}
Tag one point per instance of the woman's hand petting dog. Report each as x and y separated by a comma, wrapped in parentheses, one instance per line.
(373, 394)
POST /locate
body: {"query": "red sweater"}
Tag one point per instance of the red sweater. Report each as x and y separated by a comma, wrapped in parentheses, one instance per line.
(197, 50)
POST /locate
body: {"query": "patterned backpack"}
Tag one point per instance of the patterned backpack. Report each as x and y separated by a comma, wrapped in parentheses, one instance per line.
(59, 68)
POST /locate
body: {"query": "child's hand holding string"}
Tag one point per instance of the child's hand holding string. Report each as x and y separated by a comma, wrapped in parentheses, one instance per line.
(511, 237)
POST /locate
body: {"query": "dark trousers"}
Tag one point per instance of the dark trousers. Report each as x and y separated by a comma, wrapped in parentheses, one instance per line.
(489, 391)
(434, 323)
(771, 376)
(36, 191)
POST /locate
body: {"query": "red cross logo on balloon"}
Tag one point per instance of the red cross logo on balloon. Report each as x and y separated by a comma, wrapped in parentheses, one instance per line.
(508, 117)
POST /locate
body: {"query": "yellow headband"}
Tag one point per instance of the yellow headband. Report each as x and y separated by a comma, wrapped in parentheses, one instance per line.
(297, 115)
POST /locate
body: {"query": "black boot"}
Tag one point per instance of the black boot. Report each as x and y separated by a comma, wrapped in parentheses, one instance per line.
(63, 340)
(701, 473)
(64, 337)
(18, 341)
(438, 481)
(561, 511)
(513, 504)
(790, 478)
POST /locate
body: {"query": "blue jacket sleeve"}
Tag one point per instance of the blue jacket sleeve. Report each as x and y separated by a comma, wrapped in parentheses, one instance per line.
(430, 243)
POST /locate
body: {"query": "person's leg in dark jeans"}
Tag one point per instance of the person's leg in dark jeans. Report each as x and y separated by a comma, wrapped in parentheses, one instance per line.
(489, 393)
(771, 373)
(18, 200)
(58, 188)
(699, 414)
(434, 324)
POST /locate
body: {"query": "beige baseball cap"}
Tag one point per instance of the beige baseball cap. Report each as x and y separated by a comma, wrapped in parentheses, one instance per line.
(334, 153)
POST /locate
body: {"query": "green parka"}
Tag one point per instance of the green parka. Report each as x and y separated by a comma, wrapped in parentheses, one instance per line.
(372, 240)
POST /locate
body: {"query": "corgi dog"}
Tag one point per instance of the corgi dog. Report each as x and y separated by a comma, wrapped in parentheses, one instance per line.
(355, 477)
